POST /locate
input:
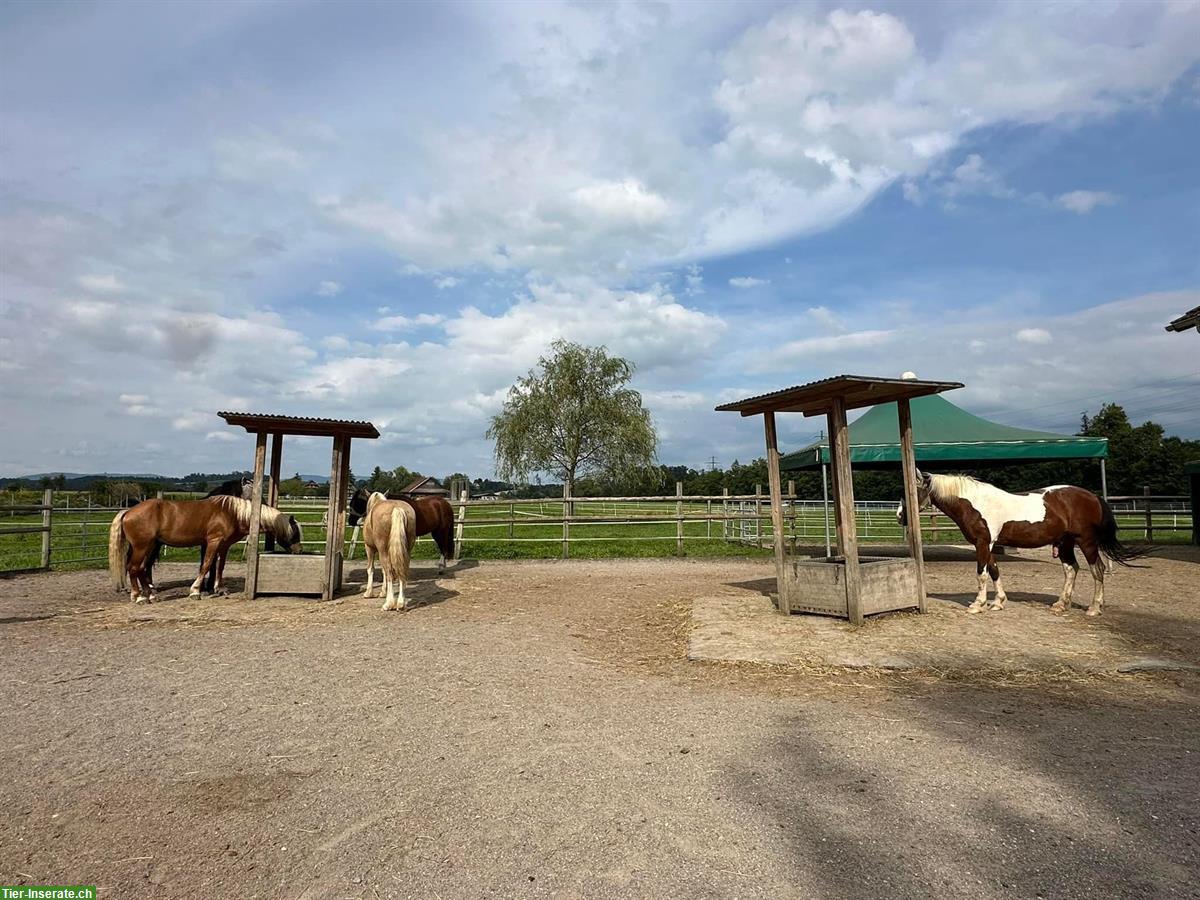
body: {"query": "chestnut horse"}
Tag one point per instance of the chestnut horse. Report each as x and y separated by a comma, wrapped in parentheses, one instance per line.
(137, 534)
(435, 516)
(1060, 516)
(389, 531)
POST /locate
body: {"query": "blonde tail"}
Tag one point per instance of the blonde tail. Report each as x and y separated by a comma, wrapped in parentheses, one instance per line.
(118, 551)
(399, 544)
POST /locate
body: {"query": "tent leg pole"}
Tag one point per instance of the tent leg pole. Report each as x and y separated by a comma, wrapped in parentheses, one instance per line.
(1103, 481)
(825, 495)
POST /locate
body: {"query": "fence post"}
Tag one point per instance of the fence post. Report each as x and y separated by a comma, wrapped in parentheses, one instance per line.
(464, 495)
(708, 520)
(758, 515)
(566, 515)
(47, 508)
(1149, 517)
(725, 514)
(679, 519)
(511, 516)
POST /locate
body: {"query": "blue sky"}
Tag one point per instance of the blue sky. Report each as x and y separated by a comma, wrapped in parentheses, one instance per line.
(389, 211)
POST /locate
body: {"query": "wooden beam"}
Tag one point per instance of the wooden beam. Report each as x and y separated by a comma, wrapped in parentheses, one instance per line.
(908, 467)
(335, 471)
(342, 500)
(833, 488)
(783, 585)
(847, 531)
(260, 460)
(273, 484)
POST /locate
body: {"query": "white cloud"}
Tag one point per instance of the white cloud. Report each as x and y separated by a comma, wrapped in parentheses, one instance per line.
(1034, 336)
(1083, 202)
(825, 316)
(102, 284)
(403, 323)
(747, 281)
(790, 354)
(134, 399)
(447, 281)
(328, 289)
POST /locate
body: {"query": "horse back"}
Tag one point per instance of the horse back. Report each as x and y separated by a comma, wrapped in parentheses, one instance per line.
(434, 514)
(181, 523)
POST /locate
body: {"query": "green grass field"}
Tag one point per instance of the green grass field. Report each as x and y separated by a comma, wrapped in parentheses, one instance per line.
(78, 538)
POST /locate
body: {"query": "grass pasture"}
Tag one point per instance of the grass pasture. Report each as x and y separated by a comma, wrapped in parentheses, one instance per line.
(599, 529)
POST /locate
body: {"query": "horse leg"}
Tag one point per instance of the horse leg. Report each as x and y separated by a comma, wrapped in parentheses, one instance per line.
(993, 571)
(1096, 563)
(982, 554)
(1066, 555)
(219, 570)
(370, 571)
(440, 539)
(137, 576)
(389, 601)
(210, 556)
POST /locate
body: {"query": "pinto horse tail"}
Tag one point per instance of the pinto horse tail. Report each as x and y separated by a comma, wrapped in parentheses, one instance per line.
(118, 551)
(1110, 546)
(398, 544)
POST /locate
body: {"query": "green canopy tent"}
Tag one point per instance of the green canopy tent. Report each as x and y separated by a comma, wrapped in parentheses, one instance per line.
(946, 435)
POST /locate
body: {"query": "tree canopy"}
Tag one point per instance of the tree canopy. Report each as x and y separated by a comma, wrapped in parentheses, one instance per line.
(574, 416)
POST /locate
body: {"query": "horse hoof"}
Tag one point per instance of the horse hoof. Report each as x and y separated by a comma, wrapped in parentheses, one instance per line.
(995, 607)
(141, 600)
(973, 608)
(1092, 611)
(1059, 606)
(388, 606)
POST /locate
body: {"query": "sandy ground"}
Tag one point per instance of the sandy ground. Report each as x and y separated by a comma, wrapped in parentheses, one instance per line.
(535, 729)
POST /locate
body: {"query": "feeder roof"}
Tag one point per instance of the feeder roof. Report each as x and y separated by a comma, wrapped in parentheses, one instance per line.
(856, 391)
(275, 424)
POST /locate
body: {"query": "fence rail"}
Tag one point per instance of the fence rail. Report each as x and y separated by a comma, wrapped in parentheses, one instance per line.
(52, 532)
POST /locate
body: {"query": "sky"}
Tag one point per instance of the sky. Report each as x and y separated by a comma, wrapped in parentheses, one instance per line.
(389, 211)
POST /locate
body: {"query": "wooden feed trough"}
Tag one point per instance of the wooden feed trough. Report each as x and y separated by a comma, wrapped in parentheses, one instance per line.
(844, 584)
(291, 573)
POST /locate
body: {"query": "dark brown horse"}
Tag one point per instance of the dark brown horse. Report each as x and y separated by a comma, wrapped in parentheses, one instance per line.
(215, 524)
(435, 516)
(1061, 516)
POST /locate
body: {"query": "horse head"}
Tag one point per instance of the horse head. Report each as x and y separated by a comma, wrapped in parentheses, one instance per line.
(924, 486)
(290, 537)
(358, 506)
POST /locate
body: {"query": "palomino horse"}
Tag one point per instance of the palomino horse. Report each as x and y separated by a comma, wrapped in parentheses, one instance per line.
(216, 524)
(389, 530)
(435, 516)
(1061, 516)
(234, 487)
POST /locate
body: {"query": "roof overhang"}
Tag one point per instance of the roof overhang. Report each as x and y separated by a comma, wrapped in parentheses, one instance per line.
(856, 391)
(273, 424)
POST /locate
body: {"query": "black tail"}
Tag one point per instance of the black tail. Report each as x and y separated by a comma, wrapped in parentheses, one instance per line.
(1106, 538)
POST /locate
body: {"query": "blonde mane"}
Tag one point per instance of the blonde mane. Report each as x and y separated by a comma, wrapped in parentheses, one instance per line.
(951, 487)
(376, 497)
(277, 522)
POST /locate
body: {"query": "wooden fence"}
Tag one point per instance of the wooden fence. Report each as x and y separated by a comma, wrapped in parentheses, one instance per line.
(53, 532)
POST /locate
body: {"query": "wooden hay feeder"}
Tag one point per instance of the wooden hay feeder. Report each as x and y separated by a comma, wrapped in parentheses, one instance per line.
(844, 584)
(291, 573)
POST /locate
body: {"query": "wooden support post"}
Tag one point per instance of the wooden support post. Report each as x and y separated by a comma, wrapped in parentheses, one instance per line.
(47, 524)
(758, 493)
(908, 468)
(1149, 516)
(679, 519)
(566, 516)
(844, 495)
(834, 489)
(335, 473)
(260, 460)
(342, 499)
(790, 517)
(825, 505)
(273, 483)
(782, 583)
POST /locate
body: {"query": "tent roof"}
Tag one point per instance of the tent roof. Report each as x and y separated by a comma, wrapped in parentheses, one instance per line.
(942, 432)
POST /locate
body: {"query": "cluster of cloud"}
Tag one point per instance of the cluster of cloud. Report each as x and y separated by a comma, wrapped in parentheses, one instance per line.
(578, 152)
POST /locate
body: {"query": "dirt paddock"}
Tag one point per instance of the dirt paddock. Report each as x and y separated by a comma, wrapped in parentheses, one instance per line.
(536, 729)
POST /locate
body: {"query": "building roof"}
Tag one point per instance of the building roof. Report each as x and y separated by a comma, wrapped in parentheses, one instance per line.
(943, 432)
(857, 391)
(426, 485)
(275, 424)
(1186, 322)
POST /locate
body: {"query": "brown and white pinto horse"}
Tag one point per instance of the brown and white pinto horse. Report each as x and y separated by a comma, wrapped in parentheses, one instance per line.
(216, 524)
(389, 531)
(435, 516)
(1060, 516)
